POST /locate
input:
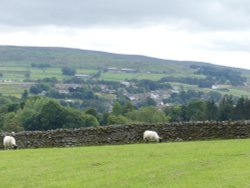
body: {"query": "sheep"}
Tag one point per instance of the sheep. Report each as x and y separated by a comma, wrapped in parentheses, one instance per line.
(151, 136)
(9, 142)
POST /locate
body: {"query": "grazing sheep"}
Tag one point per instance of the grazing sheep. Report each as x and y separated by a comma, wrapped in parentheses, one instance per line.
(9, 142)
(151, 136)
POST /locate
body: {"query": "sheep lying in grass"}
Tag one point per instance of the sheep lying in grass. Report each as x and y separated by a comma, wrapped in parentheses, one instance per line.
(151, 136)
(9, 142)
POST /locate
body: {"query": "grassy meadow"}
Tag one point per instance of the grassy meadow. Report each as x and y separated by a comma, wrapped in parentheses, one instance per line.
(16, 87)
(215, 164)
(16, 73)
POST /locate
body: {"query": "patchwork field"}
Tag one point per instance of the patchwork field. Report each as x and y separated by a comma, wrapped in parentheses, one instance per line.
(18, 73)
(11, 82)
(217, 164)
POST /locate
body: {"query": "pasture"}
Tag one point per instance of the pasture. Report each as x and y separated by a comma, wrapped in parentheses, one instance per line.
(11, 81)
(215, 164)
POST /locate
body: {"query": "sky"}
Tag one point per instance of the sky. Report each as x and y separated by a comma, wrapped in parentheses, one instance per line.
(213, 31)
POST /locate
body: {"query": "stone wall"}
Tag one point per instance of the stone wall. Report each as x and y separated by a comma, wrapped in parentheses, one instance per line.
(126, 134)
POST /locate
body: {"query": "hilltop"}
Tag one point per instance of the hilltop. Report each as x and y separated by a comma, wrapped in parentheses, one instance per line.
(57, 57)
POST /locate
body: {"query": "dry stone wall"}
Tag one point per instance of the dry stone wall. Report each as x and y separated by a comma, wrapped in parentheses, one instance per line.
(127, 134)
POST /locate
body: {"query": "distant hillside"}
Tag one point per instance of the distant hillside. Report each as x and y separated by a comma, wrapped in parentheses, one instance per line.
(58, 57)
(31, 64)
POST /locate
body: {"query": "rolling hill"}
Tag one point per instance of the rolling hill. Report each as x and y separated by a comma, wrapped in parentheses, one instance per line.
(17, 61)
(57, 57)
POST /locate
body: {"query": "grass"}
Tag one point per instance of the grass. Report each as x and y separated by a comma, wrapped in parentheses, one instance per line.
(17, 74)
(215, 164)
(140, 76)
(129, 76)
(236, 91)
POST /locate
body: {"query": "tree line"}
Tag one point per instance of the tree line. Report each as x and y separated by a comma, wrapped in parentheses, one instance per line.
(42, 113)
(228, 108)
(212, 77)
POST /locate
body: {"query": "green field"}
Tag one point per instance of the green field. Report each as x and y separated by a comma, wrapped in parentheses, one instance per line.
(11, 83)
(18, 73)
(21, 63)
(215, 164)
(129, 76)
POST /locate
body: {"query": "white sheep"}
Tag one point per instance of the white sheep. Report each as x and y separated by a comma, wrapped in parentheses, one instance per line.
(151, 136)
(9, 142)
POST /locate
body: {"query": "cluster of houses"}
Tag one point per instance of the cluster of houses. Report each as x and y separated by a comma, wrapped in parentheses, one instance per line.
(157, 95)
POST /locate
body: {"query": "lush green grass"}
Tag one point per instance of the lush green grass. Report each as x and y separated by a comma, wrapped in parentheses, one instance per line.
(17, 73)
(236, 91)
(215, 164)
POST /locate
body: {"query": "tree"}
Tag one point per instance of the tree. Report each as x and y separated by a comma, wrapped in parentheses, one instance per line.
(241, 109)
(73, 118)
(117, 109)
(214, 96)
(52, 116)
(29, 114)
(128, 107)
(104, 118)
(211, 112)
(12, 123)
(90, 121)
(226, 108)
(68, 71)
(119, 119)
(147, 102)
(28, 118)
(25, 94)
(196, 110)
(98, 74)
(91, 111)
(52, 81)
(35, 90)
(174, 113)
(27, 74)
(148, 115)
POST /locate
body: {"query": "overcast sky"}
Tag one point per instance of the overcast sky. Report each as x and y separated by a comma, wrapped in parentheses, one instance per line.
(215, 31)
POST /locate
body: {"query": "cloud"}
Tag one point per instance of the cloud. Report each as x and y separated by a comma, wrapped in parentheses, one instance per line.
(187, 15)
(215, 31)
(232, 41)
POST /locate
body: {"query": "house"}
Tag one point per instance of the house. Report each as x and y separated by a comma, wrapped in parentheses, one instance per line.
(113, 69)
(215, 87)
(127, 84)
